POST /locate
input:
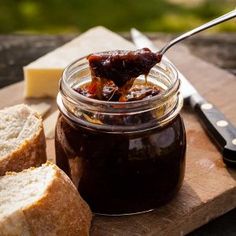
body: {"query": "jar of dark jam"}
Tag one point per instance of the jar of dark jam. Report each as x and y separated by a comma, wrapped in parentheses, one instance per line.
(123, 157)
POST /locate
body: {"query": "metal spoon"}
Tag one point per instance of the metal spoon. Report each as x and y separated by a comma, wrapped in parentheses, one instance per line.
(205, 26)
(122, 67)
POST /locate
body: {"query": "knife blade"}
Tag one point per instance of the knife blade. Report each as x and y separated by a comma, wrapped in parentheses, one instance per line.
(217, 126)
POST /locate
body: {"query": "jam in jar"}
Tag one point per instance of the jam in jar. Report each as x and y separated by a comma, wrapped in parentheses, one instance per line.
(124, 157)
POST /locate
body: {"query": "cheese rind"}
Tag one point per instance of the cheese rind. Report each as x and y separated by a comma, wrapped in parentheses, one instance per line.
(42, 75)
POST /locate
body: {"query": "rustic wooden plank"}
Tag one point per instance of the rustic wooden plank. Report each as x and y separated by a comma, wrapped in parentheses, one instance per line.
(209, 188)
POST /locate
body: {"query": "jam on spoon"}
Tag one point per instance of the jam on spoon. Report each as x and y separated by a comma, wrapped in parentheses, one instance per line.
(122, 66)
(115, 71)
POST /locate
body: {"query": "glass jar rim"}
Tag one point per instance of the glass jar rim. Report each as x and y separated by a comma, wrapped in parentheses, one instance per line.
(109, 116)
(67, 90)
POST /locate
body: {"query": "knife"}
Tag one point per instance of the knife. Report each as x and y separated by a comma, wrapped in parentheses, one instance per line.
(220, 130)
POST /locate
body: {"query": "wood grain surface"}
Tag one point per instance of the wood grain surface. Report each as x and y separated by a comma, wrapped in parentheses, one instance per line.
(209, 188)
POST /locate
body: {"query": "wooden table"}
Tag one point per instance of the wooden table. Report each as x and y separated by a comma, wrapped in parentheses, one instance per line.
(19, 50)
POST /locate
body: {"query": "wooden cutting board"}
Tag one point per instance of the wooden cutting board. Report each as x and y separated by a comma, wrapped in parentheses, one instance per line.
(209, 188)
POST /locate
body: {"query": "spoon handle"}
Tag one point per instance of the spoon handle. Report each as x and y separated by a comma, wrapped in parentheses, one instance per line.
(207, 25)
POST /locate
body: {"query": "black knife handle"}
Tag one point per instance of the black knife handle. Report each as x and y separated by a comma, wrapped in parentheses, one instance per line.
(221, 130)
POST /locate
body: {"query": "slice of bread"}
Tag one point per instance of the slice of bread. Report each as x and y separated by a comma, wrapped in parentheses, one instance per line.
(42, 201)
(22, 139)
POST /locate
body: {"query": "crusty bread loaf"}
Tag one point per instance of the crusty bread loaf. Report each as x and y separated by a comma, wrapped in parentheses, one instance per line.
(42, 201)
(22, 139)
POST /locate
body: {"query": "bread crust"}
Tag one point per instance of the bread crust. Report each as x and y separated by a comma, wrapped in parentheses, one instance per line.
(30, 153)
(60, 211)
(63, 213)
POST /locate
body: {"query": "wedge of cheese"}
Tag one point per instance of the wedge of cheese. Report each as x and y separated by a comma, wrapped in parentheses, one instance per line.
(42, 75)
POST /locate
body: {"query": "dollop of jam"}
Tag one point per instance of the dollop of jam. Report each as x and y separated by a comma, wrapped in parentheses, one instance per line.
(113, 74)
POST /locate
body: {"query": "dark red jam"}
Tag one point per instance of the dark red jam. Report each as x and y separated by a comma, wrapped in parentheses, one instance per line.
(124, 172)
(110, 92)
(120, 67)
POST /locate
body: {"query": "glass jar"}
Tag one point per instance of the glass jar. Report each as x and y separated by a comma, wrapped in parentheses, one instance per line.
(127, 157)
